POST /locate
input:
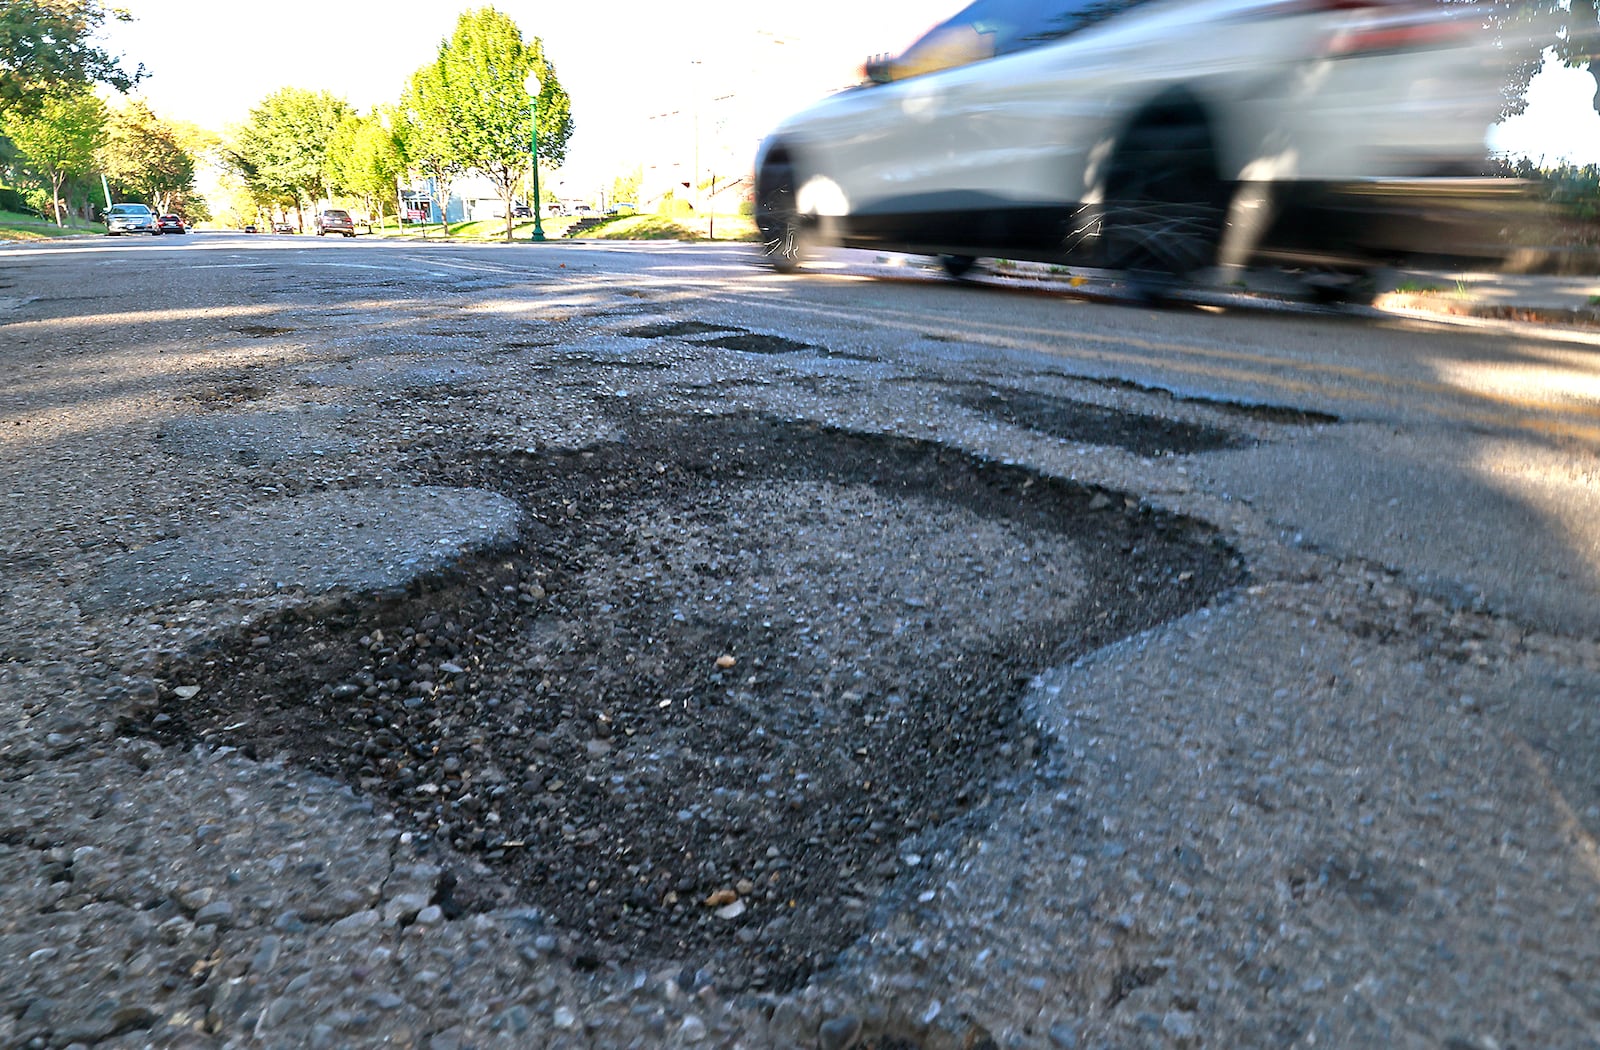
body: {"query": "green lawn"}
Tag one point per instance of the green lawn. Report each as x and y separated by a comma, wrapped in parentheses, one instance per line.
(16, 227)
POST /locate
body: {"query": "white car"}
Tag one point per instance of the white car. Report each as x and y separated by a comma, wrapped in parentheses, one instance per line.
(1157, 137)
(131, 218)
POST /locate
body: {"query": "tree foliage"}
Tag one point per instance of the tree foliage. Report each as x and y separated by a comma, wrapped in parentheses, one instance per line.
(58, 137)
(367, 158)
(45, 44)
(143, 160)
(284, 151)
(1526, 29)
(470, 110)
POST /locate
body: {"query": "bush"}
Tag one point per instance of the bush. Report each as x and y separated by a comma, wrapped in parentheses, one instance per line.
(13, 201)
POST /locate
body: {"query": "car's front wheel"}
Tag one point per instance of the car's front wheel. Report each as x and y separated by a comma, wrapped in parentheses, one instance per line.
(1163, 201)
(778, 216)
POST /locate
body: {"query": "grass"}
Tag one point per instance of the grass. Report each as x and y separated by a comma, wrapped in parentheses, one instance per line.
(15, 226)
(1415, 288)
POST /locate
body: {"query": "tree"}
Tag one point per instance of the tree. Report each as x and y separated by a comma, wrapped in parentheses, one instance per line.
(58, 138)
(625, 187)
(473, 107)
(45, 44)
(371, 164)
(283, 151)
(143, 159)
(1526, 29)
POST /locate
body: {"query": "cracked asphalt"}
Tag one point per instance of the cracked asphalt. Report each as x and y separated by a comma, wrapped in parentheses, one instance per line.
(588, 646)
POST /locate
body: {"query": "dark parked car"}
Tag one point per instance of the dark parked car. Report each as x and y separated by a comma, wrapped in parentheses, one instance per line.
(171, 224)
(521, 211)
(335, 220)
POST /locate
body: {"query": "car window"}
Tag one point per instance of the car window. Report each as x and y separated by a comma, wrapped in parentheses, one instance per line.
(990, 28)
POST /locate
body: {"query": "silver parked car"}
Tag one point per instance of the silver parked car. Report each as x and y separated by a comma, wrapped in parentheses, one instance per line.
(131, 218)
(1157, 137)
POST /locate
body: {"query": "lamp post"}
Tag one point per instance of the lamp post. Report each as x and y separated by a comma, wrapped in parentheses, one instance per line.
(534, 87)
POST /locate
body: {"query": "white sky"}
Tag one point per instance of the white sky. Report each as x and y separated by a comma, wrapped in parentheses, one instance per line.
(641, 75)
(629, 67)
(1560, 122)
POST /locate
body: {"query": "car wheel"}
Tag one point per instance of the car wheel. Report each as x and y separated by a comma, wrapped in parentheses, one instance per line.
(957, 265)
(1163, 201)
(778, 216)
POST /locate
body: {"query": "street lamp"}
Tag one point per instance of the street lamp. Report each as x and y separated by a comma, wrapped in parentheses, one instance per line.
(534, 87)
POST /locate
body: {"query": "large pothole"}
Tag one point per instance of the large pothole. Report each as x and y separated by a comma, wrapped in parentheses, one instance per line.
(725, 690)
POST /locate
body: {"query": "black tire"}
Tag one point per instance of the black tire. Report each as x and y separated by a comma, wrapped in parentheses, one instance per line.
(957, 266)
(1163, 204)
(778, 217)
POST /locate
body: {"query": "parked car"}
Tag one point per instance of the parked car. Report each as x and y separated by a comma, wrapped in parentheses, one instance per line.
(335, 220)
(130, 218)
(1156, 137)
(250, 227)
(521, 211)
(171, 224)
(283, 227)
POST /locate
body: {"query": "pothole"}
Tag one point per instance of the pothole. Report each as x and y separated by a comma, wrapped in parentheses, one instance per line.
(1138, 433)
(757, 343)
(733, 683)
(675, 330)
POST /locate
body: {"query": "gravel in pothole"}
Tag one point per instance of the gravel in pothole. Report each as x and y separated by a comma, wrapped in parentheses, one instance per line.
(732, 684)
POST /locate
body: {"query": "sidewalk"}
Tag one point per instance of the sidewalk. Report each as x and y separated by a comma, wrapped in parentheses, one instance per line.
(1538, 298)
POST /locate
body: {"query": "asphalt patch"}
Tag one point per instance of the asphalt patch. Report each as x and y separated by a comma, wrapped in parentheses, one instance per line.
(1079, 421)
(739, 681)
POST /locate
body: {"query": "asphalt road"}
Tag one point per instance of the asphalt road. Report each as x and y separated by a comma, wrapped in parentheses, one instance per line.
(1350, 801)
(1464, 452)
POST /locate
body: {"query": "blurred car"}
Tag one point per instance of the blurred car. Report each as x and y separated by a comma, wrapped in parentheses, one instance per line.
(1157, 137)
(283, 227)
(250, 227)
(521, 211)
(130, 218)
(171, 224)
(335, 220)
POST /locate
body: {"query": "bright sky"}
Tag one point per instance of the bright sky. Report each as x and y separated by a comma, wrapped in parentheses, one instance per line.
(639, 74)
(1560, 122)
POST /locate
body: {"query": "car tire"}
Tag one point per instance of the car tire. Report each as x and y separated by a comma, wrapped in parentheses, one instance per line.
(1163, 202)
(778, 216)
(957, 266)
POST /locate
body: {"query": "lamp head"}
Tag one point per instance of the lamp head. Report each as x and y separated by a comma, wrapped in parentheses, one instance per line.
(533, 84)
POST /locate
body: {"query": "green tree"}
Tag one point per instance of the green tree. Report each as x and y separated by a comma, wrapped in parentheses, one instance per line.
(625, 187)
(58, 138)
(142, 158)
(377, 160)
(283, 150)
(472, 109)
(47, 43)
(425, 134)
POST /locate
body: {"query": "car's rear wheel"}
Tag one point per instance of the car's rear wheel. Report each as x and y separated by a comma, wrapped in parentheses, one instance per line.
(778, 216)
(1163, 202)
